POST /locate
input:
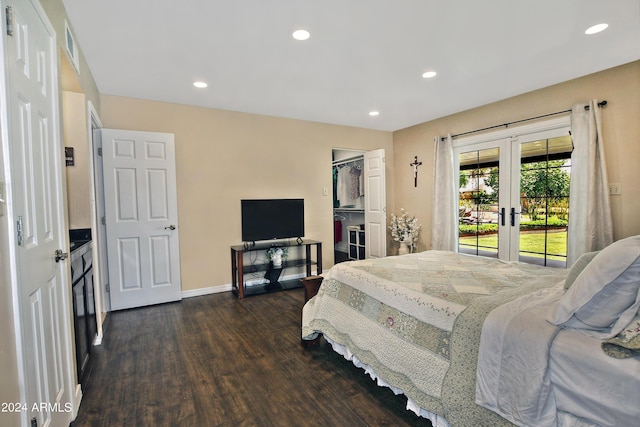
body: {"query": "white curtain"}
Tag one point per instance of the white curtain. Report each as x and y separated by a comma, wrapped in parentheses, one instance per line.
(445, 211)
(590, 224)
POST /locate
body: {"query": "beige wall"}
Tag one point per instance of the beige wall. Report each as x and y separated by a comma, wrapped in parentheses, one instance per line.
(57, 15)
(223, 157)
(620, 86)
(76, 135)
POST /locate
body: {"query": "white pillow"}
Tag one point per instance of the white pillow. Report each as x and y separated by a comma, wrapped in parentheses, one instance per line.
(606, 294)
(577, 267)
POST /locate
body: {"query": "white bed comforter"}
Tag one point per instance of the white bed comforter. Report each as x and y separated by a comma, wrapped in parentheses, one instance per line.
(415, 320)
(533, 373)
(513, 378)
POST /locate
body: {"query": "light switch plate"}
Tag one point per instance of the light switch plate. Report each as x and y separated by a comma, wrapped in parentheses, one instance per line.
(615, 189)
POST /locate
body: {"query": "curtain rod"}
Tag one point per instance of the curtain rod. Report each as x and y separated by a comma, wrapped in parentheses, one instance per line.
(586, 107)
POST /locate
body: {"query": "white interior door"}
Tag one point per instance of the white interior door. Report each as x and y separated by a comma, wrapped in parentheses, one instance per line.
(37, 208)
(375, 200)
(141, 218)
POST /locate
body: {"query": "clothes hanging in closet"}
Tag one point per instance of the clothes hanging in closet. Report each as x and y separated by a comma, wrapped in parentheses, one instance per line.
(354, 182)
(349, 185)
(336, 202)
(337, 231)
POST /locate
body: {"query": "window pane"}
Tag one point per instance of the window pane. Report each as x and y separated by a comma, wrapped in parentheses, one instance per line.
(478, 202)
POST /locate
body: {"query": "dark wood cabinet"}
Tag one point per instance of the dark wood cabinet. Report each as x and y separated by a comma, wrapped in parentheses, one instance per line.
(84, 313)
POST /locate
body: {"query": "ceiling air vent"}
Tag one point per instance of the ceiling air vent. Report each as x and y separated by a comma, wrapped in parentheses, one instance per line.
(72, 49)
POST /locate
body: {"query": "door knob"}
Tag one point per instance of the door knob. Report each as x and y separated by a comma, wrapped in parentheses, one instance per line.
(60, 256)
(171, 227)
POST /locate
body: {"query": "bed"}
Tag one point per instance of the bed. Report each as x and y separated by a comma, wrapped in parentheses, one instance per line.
(460, 335)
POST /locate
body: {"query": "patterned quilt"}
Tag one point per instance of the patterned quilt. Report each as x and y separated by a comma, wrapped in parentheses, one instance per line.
(416, 320)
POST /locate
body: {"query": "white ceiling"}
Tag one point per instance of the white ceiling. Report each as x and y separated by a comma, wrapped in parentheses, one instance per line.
(363, 55)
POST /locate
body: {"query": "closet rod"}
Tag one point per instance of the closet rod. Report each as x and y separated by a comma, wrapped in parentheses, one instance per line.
(586, 107)
(351, 160)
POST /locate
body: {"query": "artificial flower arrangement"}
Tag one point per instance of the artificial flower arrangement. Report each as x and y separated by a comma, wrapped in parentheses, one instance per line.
(276, 254)
(405, 228)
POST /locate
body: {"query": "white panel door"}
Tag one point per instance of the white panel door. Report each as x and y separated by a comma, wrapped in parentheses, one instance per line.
(36, 183)
(375, 211)
(141, 218)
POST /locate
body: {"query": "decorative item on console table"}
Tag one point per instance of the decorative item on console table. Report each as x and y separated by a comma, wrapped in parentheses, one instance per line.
(276, 254)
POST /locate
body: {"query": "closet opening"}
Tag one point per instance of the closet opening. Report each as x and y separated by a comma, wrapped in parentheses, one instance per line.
(348, 205)
(359, 204)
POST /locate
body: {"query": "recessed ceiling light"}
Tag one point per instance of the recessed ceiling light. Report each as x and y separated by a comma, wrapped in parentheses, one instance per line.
(596, 28)
(374, 113)
(301, 34)
(429, 74)
(200, 85)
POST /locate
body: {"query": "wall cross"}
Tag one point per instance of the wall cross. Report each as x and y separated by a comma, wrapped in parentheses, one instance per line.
(415, 165)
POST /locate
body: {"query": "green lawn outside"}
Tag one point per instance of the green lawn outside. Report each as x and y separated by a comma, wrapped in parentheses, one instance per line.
(529, 242)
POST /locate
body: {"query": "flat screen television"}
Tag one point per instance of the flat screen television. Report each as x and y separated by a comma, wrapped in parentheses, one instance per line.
(269, 219)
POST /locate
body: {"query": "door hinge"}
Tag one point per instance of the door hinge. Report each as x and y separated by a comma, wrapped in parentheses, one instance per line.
(103, 221)
(107, 288)
(100, 151)
(8, 12)
(20, 231)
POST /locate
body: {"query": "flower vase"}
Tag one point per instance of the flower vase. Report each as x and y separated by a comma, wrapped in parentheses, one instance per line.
(276, 260)
(405, 247)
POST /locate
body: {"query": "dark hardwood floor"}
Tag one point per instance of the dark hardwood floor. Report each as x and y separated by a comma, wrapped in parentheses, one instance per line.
(216, 360)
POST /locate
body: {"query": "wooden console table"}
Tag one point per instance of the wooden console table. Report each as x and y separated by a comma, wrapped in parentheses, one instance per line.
(238, 267)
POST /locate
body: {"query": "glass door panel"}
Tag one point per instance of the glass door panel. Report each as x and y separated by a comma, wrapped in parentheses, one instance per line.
(478, 202)
(545, 171)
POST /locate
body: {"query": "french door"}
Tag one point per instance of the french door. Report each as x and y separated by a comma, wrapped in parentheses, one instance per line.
(513, 199)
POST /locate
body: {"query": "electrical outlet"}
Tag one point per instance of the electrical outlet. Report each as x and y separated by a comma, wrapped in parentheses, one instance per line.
(615, 189)
(325, 191)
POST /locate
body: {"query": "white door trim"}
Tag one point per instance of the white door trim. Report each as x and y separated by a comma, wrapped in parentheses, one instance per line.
(94, 122)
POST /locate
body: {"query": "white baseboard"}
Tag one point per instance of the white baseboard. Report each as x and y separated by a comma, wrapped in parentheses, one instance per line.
(206, 291)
